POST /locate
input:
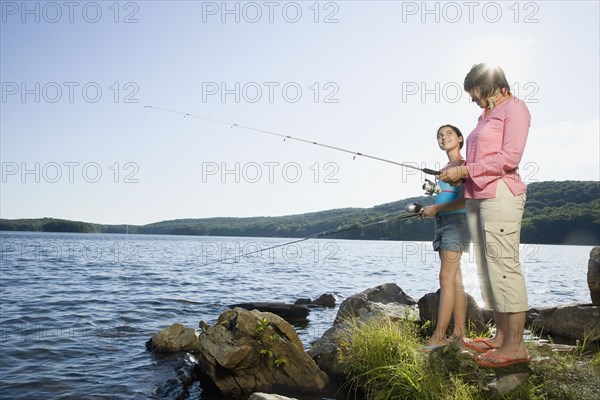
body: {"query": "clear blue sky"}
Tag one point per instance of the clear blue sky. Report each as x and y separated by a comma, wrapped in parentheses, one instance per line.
(375, 77)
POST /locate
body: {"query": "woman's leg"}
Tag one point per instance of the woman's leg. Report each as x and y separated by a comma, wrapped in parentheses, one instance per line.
(450, 265)
(478, 238)
(501, 219)
(475, 224)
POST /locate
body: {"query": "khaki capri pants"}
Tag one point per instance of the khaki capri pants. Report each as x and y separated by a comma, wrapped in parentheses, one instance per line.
(495, 228)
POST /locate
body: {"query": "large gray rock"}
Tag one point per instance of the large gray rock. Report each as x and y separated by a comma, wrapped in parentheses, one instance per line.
(326, 350)
(593, 275)
(578, 321)
(174, 339)
(250, 351)
(429, 306)
(387, 299)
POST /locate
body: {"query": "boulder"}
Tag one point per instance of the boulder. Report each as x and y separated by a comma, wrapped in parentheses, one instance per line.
(429, 306)
(577, 321)
(538, 312)
(593, 275)
(387, 299)
(326, 300)
(174, 339)
(249, 351)
(325, 350)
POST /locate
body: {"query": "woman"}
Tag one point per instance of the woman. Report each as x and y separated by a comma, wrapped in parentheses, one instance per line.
(450, 240)
(495, 197)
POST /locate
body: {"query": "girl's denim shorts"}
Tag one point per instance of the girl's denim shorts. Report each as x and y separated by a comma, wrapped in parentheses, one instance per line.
(451, 233)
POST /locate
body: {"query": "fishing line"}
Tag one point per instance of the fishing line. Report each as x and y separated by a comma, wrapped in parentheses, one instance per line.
(285, 137)
(409, 213)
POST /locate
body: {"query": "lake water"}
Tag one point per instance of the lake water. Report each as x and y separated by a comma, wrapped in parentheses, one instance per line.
(77, 309)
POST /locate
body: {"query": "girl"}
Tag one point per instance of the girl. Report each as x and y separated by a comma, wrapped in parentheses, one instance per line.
(450, 240)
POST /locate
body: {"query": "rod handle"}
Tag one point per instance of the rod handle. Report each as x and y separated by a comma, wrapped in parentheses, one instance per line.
(430, 171)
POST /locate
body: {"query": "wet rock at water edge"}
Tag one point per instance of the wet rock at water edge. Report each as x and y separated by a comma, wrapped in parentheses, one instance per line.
(325, 300)
(174, 339)
(252, 351)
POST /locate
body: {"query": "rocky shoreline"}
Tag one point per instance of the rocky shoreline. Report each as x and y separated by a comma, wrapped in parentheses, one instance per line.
(251, 351)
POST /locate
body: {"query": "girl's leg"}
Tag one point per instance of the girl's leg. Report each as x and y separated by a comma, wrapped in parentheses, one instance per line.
(460, 308)
(450, 264)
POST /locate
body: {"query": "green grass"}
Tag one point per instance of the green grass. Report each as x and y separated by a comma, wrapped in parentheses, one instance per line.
(384, 361)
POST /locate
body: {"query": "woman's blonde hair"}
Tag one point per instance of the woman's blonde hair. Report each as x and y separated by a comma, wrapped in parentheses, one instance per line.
(490, 79)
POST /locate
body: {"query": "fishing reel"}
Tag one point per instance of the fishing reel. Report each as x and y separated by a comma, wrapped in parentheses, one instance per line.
(413, 208)
(431, 188)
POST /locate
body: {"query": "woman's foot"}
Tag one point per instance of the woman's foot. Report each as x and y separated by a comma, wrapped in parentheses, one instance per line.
(481, 344)
(498, 358)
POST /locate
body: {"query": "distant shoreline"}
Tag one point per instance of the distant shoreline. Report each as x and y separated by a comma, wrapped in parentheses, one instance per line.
(566, 212)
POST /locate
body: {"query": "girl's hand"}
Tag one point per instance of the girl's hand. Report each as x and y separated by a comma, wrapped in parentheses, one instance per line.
(429, 211)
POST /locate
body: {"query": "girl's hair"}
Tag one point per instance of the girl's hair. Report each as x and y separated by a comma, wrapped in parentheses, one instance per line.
(455, 129)
(490, 79)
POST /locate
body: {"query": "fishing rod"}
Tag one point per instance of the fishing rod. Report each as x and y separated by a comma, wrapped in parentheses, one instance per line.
(285, 137)
(412, 210)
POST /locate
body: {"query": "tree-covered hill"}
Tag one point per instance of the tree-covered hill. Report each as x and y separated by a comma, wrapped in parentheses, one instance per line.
(566, 212)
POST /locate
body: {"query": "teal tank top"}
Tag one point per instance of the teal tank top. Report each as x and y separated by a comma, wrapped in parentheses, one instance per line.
(447, 194)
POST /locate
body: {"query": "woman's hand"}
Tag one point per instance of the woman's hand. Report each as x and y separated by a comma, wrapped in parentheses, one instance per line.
(453, 175)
